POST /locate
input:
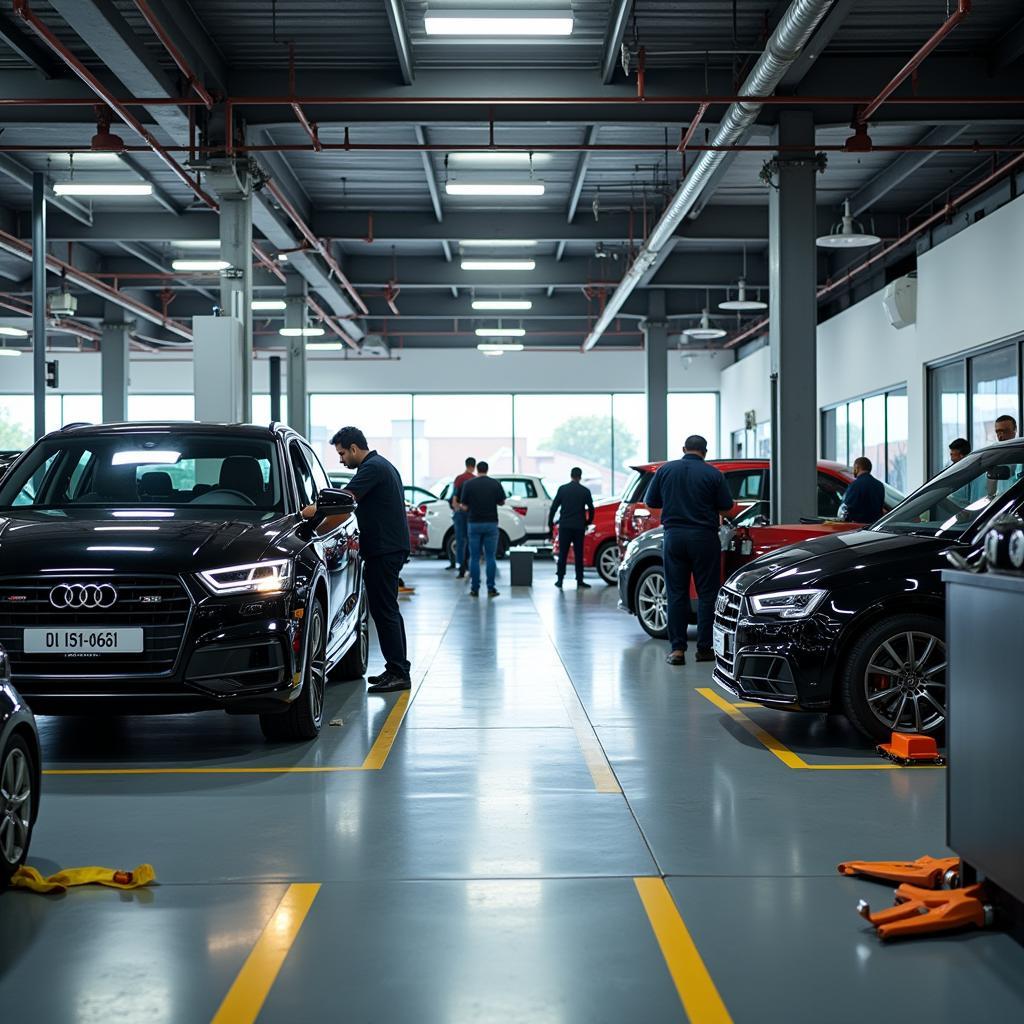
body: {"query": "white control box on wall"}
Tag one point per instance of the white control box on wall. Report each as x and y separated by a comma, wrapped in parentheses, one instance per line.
(900, 301)
(217, 368)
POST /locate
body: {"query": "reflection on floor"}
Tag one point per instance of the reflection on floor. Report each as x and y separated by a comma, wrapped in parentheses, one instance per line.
(487, 871)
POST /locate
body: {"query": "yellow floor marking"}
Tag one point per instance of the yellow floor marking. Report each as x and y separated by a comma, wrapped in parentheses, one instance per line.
(249, 992)
(696, 990)
(788, 757)
(294, 769)
(382, 745)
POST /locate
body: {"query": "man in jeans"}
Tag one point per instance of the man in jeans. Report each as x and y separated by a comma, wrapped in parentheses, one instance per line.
(459, 521)
(692, 495)
(479, 499)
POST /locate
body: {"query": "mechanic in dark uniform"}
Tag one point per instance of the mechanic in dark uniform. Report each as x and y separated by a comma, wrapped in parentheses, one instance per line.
(864, 498)
(576, 505)
(383, 546)
(691, 495)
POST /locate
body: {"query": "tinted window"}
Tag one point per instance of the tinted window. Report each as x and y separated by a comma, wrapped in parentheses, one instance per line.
(320, 479)
(303, 474)
(637, 487)
(745, 484)
(518, 488)
(830, 496)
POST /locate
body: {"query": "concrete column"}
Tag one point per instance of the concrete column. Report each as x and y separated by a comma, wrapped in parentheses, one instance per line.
(655, 329)
(793, 321)
(236, 282)
(295, 316)
(114, 363)
(39, 302)
(274, 373)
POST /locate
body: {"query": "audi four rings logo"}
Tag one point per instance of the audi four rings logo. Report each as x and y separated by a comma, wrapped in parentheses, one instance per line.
(83, 595)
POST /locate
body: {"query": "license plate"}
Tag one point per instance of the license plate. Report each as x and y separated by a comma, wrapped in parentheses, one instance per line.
(93, 640)
(720, 642)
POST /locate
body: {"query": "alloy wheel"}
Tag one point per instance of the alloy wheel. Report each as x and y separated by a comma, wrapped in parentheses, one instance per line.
(15, 805)
(905, 682)
(317, 666)
(608, 563)
(364, 630)
(652, 602)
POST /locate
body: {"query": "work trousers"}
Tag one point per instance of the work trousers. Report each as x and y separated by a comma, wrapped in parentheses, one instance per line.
(697, 553)
(460, 520)
(483, 538)
(570, 536)
(380, 573)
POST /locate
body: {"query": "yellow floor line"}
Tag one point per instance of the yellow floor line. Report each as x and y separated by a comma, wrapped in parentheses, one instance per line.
(788, 757)
(293, 769)
(378, 755)
(696, 989)
(249, 992)
(590, 746)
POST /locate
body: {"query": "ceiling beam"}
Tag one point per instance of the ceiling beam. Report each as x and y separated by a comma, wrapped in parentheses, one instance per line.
(1010, 47)
(617, 22)
(400, 34)
(160, 194)
(428, 173)
(580, 174)
(29, 50)
(18, 172)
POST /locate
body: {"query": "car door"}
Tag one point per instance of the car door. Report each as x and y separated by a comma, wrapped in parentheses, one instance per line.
(524, 495)
(748, 490)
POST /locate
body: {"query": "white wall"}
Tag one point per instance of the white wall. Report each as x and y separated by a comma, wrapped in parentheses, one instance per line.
(745, 386)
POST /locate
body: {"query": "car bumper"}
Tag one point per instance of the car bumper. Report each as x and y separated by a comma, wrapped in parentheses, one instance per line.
(778, 664)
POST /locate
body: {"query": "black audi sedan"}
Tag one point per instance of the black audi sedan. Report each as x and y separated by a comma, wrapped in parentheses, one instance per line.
(855, 621)
(167, 567)
(20, 775)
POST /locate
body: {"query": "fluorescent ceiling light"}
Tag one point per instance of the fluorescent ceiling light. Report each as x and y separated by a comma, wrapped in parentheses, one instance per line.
(705, 332)
(501, 304)
(497, 158)
(487, 188)
(85, 188)
(282, 257)
(200, 264)
(13, 332)
(302, 332)
(269, 304)
(324, 346)
(499, 349)
(500, 332)
(197, 243)
(499, 264)
(85, 158)
(498, 243)
(10, 352)
(741, 301)
(498, 23)
(847, 234)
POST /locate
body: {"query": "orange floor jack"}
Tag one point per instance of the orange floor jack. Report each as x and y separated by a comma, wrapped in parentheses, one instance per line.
(924, 873)
(925, 911)
(910, 748)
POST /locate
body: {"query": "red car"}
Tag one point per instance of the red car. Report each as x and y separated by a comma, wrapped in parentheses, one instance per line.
(600, 550)
(417, 528)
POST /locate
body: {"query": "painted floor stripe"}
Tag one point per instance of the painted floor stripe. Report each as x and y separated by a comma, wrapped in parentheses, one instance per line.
(249, 992)
(696, 989)
(788, 757)
(378, 755)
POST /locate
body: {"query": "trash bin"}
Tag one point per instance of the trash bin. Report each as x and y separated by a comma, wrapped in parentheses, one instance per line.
(521, 567)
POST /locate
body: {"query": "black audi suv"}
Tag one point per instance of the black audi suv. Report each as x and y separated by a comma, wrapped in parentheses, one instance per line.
(856, 621)
(167, 567)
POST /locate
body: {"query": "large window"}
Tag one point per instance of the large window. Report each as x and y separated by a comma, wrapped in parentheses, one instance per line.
(692, 413)
(17, 416)
(158, 408)
(385, 419)
(947, 411)
(993, 392)
(875, 426)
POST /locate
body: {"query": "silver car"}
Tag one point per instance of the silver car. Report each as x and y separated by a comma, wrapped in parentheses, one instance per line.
(642, 590)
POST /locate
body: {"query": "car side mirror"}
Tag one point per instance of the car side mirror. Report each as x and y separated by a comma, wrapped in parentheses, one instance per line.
(999, 473)
(335, 501)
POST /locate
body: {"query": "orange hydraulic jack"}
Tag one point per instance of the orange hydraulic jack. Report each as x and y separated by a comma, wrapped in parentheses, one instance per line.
(911, 748)
(921, 911)
(925, 872)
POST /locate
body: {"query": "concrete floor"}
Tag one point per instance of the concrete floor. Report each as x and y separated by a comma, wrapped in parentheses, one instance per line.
(487, 869)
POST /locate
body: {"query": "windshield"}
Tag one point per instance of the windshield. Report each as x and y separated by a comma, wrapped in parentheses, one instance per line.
(958, 497)
(146, 469)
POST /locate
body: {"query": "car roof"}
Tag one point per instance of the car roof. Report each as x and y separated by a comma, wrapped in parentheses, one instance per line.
(836, 467)
(173, 426)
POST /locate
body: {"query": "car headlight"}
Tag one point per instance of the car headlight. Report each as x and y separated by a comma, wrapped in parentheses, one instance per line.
(787, 604)
(269, 577)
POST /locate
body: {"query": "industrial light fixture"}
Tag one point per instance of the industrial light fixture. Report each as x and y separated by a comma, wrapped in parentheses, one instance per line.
(847, 233)
(502, 304)
(498, 243)
(268, 305)
(302, 332)
(499, 264)
(85, 188)
(705, 332)
(13, 332)
(10, 351)
(324, 346)
(197, 243)
(488, 24)
(282, 257)
(498, 349)
(199, 265)
(494, 188)
(500, 332)
(741, 301)
(493, 157)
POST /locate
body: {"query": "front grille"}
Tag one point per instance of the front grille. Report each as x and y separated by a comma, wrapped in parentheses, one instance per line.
(727, 615)
(159, 604)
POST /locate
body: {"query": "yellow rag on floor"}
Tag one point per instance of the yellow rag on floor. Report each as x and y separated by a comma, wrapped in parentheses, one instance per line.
(30, 879)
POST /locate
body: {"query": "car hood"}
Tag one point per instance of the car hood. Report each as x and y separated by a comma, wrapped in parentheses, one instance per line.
(138, 540)
(833, 559)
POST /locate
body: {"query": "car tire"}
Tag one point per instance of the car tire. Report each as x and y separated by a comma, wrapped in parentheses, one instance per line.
(303, 717)
(606, 561)
(17, 805)
(879, 702)
(357, 657)
(448, 548)
(503, 545)
(651, 602)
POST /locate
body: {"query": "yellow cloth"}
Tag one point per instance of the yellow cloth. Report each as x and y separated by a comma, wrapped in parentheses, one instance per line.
(30, 879)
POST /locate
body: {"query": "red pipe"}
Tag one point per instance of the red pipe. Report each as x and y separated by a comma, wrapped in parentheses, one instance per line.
(962, 10)
(317, 244)
(297, 107)
(264, 260)
(330, 321)
(25, 13)
(694, 125)
(939, 215)
(93, 284)
(176, 55)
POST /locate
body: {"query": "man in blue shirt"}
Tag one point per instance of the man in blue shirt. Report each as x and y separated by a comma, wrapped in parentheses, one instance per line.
(864, 498)
(692, 496)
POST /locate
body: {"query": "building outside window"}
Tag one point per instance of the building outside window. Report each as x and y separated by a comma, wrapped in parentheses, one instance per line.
(875, 426)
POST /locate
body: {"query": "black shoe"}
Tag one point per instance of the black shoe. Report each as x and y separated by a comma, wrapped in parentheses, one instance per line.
(448, 568)
(580, 585)
(558, 583)
(461, 576)
(374, 680)
(705, 654)
(390, 681)
(491, 592)
(474, 593)
(676, 659)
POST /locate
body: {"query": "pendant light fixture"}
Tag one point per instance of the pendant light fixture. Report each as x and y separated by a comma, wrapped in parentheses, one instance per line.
(741, 302)
(705, 332)
(847, 234)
